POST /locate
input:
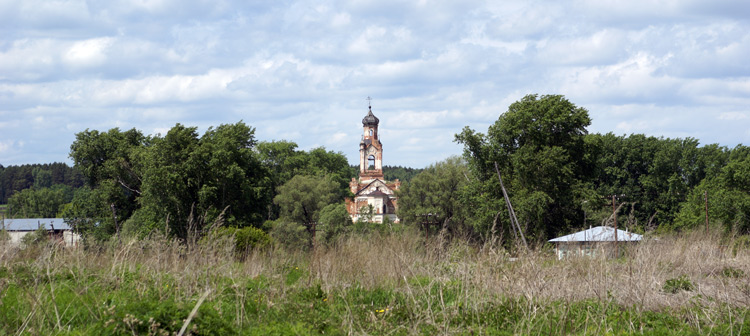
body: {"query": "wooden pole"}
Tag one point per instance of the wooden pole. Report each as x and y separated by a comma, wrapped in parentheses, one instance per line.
(513, 217)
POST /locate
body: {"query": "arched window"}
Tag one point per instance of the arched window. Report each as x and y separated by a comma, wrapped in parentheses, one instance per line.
(371, 162)
(371, 132)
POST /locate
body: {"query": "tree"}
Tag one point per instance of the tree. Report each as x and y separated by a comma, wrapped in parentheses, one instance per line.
(42, 178)
(335, 221)
(728, 196)
(302, 198)
(283, 161)
(37, 203)
(179, 181)
(191, 181)
(17, 178)
(539, 146)
(112, 163)
(438, 190)
(403, 174)
(655, 175)
(89, 214)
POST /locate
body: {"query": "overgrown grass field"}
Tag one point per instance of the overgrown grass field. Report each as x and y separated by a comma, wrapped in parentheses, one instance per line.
(384, 284)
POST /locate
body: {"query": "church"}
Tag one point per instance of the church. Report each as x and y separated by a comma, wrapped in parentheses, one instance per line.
(373, 195)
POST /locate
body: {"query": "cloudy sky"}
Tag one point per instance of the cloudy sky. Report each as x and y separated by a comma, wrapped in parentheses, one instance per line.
(301, 70)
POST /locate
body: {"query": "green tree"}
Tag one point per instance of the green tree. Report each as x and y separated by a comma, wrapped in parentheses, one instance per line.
(654, 175)
(89, 214)
(302, 198)
(33, 203)
(728, 196)
(42, 178)
(190, 181)
(403, 174)
(283, 161)
(539, 147)
(438, 190)
(335, 221)
(112, 162)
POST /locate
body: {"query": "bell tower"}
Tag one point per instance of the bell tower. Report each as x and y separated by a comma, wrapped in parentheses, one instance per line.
(372, 193)
(370, 150)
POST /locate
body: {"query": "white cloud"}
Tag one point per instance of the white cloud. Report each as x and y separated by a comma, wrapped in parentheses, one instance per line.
(88, 53)
(733, 116)
(300, 70)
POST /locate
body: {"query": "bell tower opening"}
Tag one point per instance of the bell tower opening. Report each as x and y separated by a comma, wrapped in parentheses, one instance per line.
(371, 162)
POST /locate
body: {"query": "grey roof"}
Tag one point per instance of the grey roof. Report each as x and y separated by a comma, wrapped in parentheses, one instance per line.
(598, 234)
(31, 224)
(370, 119)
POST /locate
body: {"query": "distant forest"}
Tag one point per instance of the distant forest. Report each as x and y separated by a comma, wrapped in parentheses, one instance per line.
(17, 178)
(391, 173)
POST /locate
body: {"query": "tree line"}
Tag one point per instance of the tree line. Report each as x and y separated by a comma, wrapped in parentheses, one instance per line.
(37, 190)
(560, 178)
(16, 178)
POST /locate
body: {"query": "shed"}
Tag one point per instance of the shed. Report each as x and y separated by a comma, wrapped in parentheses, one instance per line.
(589, 242)
(57, 228)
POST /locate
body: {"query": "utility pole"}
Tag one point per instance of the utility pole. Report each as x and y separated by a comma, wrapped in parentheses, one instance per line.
(512, 213)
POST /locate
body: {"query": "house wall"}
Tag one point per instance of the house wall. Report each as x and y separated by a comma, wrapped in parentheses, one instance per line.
(589, 249)
(68, 237)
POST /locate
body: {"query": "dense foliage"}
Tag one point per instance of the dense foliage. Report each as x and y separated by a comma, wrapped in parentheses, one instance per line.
(436, 190)
(559, 178)
(16, 178)
(392, 173)
(538, 146)
(183, 183)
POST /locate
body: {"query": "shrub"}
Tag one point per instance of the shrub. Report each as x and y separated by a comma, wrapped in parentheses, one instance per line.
(680, 283)
(246, 238)
(250, 237)
(290, 234)
(40, 236)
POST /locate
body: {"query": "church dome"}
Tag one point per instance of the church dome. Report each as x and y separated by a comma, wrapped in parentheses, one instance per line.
(370, 119)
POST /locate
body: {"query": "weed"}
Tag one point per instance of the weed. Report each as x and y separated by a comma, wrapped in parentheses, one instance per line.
(378, 283)
(675, 285)
(731, 272)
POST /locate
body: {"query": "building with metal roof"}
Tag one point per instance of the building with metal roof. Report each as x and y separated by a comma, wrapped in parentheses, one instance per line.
(590, 242)
(57, 228)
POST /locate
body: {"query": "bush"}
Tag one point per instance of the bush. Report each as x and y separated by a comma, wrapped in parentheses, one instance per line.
(290, 234)
(250, 237)
(246, 238)
(38, 237)
(675, 285)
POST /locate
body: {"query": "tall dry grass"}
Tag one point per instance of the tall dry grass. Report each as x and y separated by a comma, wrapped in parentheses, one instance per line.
(419, 270)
